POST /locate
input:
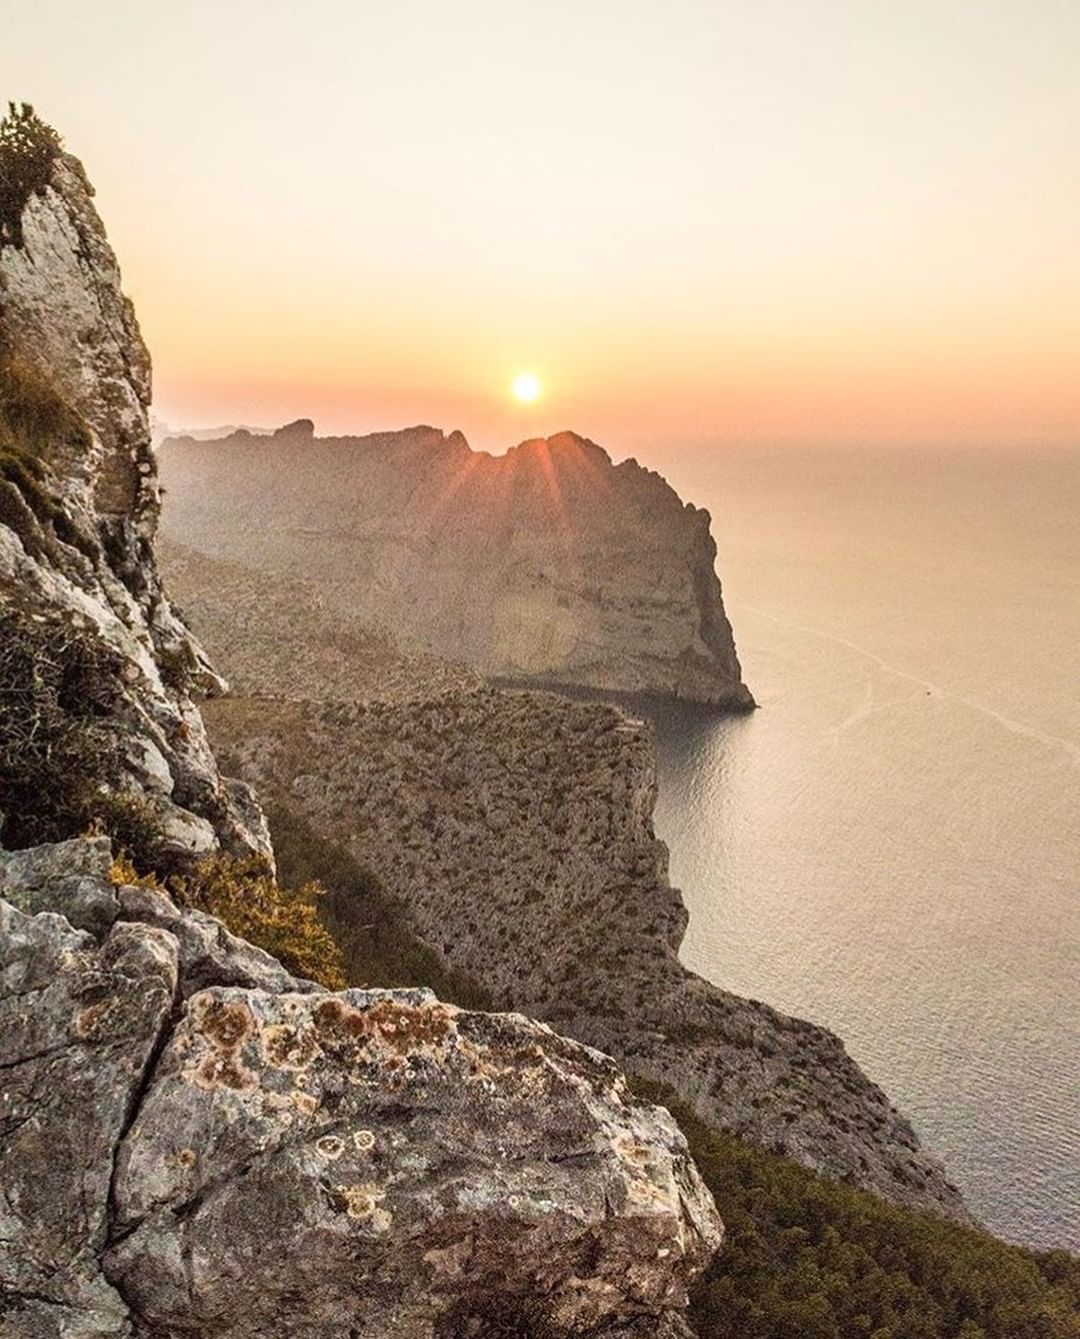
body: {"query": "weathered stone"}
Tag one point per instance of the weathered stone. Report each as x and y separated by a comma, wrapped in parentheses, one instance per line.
(208, 954)
(79, 1024)
(71, 878)
(285, 1161)
(384, 1165)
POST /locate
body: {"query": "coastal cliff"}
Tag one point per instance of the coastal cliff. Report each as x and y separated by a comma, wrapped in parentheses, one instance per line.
(193, 1139)
(548, 564)
(215, 1120)
(82, 607)
(513, 830)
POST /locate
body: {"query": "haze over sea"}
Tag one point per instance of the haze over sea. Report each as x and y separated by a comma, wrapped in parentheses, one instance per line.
(891, 845)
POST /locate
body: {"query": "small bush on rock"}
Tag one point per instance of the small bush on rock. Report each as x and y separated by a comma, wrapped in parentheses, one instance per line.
(58, 685)
(28, 148)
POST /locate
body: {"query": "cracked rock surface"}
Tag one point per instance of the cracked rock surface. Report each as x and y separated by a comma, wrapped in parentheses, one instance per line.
(278, 1160)
(79, 1022)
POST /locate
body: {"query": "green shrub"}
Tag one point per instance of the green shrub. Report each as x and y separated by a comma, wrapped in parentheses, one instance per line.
(809, 1258)
(58, 686)
(28, 148)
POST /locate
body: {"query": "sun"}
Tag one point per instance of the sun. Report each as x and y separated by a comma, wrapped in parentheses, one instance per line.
(526, 387)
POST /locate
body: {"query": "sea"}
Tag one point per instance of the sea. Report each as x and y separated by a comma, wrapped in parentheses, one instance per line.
(890, 845)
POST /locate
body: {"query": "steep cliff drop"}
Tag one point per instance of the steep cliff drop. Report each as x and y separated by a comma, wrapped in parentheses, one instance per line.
(548, 564)
(513, 829)
(192, 1140)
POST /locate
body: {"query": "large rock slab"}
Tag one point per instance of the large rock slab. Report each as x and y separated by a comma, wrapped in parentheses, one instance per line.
(382, 1165)
(273, 1159)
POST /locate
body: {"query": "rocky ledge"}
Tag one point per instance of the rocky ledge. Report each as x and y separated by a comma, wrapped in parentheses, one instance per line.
(548, 563)
(194, 1142)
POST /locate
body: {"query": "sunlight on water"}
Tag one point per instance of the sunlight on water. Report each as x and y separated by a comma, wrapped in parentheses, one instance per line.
(890, 845)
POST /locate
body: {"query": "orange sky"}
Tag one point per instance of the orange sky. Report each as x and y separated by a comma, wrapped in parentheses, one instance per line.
(695, 221)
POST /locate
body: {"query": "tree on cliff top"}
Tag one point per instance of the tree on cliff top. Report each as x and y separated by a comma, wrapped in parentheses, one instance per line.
(28, 148)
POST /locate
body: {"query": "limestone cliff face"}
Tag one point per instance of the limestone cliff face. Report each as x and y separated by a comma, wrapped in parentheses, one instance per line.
(79, 507)
(549, 563)
(194, 1142)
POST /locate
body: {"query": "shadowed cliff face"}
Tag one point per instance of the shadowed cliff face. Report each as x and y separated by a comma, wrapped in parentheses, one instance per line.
(549, 563)
(79, 507)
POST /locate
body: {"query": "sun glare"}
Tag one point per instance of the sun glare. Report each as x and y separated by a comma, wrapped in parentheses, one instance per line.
(526, 387)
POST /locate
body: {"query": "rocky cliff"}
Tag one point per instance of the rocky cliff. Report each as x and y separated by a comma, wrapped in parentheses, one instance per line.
(96, 668)
(548, 563)
(514, 830)
(192, 1142)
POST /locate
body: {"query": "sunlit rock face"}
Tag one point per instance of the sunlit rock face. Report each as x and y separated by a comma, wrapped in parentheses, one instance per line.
(197, 1143)
(76, 541)
(548, 564)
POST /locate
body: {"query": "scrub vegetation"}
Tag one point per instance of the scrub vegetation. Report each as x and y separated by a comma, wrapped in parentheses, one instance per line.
(28, 148)
(805, 1257)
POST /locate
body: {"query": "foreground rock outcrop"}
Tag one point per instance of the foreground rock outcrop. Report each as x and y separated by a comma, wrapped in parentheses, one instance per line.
(79, 505)
(548, 563)
(276, 1160)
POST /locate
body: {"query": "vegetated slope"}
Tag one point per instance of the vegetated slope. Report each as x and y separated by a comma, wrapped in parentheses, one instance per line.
(547, 563)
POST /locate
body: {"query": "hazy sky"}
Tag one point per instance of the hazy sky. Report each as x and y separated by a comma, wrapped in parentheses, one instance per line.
(769, 219)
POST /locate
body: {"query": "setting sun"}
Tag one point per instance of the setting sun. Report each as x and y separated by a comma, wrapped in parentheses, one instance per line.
(526, 387)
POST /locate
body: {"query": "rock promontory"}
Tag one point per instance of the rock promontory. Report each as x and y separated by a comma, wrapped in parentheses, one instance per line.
(548, 564)
(513, 830)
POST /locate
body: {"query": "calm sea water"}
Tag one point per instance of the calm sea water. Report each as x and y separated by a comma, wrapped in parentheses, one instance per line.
(891, 845)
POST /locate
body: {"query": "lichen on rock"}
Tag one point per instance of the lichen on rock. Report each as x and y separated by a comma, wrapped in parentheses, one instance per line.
(262, 1162)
